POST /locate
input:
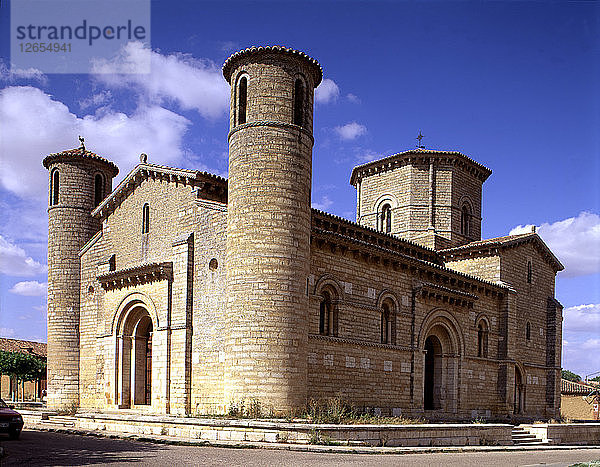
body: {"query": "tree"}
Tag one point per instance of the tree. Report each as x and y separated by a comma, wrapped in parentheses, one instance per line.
(22, 366)
(570, 376)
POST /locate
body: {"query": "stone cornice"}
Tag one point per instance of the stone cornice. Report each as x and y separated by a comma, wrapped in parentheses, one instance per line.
(273, 124)
(441, 294)
(424, 270)
(362, 343)
(332, 223)
(419, 155)
(205, 183)
(142, 274)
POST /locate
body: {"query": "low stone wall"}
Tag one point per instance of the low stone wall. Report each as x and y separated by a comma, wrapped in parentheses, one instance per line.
(301, 433)
(566, 433)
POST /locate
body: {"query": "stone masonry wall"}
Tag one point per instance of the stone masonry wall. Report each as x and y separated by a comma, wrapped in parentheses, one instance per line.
(355, 366)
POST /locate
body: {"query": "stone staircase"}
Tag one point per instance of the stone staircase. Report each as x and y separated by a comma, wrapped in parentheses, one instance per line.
(522, 437)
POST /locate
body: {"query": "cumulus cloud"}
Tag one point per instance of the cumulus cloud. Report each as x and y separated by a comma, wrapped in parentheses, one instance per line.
(575, 241)
(350, 131)
(323, 204)
(30, 288)
(95, 100)
(15, 262)
(34, 125)
(14, 74)
(582, 318)
(193, 84)
(353, 98)
(327, 92)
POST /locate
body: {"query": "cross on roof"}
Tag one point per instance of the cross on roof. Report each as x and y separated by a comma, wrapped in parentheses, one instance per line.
(420, 137)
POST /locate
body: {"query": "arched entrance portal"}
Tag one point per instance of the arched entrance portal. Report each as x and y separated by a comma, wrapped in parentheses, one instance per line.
(441, 363)
(519, 401)
(135, 359)
(433, 376)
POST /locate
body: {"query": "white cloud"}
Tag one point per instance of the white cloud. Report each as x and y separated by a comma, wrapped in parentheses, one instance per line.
(191, 83)
(353, 98)
(350, 131)
(95, 100)
(575, 241)
(13, 74)
(7, 332)
(582, 318)
(30, 288)
(323, 204)
(327, 92)
(15, 262)
(34, 125)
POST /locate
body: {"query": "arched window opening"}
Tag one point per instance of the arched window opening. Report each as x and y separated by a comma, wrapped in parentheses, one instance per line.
(528, 331)
(54, 188)
(482, 339)
(465, 220)
(146, 219)
(242, 100)
(529, 272)
(387, 326)
(299, 103)
(327, 315)
(98, 189)
(385, 223)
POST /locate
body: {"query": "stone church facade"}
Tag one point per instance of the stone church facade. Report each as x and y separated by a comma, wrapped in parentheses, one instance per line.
(180, 292)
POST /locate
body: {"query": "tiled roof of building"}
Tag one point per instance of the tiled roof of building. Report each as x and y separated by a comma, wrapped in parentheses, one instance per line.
(388, 163)
(16, 345)
(504, 242)
(316, 67)
(570, 387)
(144, 170)
(80, 152)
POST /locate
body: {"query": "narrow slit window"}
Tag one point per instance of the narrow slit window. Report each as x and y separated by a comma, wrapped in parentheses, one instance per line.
(54, 189)
(386, 219)
(98, 189)
(299, 103)
(146, 218)
(482, 339)
(242, 100)
(465, 221)
(528, 332)
(529, 272)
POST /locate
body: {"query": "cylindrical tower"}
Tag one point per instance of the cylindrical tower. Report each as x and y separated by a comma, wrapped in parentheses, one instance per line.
(268, 225)
(79, 180)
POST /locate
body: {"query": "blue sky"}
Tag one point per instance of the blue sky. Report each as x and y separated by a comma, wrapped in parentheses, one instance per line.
(514, 85)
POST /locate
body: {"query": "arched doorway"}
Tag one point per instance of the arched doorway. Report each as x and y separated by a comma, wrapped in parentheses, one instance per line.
(433, 375)
(441, 345)
(134, 359)
(519, 397)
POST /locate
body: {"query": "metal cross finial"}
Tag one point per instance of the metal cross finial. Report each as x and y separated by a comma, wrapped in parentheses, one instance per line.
(82, 141)
(420, 137)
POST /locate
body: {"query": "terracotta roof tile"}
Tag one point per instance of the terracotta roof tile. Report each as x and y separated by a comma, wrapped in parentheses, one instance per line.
(228, 65)
(16, 345)
(80, 152)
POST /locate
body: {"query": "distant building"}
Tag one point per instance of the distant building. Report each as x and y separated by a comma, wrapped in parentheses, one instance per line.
(10, 388)
(579, 401)
(182, 292)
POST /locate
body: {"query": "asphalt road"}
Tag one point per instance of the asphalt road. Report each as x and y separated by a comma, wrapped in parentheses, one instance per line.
(37, 448)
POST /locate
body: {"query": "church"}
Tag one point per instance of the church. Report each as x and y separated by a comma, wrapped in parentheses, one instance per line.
(181, 292)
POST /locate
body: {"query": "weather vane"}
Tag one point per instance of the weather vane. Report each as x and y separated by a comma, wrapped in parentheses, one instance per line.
(420, 137)
(82, 141)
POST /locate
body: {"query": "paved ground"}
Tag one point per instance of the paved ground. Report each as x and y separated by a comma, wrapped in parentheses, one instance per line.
(37, 448)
